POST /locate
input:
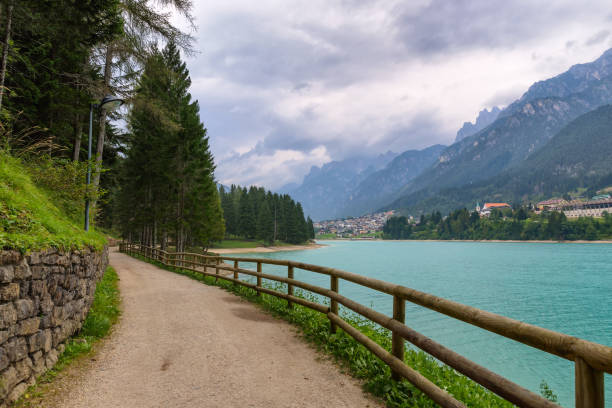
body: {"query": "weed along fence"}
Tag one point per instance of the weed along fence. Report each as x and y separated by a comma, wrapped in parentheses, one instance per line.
(591, 360)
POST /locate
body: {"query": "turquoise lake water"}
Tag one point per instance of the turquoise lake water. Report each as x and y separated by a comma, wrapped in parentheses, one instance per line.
(562, 287)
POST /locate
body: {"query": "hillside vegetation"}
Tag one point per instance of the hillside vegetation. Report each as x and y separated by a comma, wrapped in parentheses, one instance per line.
(34, 217)
(577, 157)
(521, 131)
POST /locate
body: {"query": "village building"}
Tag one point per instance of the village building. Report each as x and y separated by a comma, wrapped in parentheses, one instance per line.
(487, 208)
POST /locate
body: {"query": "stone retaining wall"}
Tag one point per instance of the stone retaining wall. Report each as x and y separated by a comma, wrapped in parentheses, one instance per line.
(44, 298)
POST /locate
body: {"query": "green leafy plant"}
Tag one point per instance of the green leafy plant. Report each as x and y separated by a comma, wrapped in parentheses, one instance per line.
(547, 392)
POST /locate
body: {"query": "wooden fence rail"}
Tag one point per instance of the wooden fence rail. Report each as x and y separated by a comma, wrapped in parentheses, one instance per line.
(591, 359)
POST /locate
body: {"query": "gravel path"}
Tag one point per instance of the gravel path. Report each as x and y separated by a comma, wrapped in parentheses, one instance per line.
(181, 343)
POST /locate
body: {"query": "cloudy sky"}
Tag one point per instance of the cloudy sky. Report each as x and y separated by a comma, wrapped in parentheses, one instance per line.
(286, 84)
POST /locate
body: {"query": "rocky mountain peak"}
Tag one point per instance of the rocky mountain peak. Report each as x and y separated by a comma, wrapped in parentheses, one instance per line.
(484, 119)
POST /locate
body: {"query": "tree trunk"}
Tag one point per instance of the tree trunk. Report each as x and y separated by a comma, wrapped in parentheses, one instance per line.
(78, 134)
(7, 39)
(102, 122)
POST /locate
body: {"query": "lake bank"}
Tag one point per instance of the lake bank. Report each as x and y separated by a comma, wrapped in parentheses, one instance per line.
(269, 249)
(484, 241)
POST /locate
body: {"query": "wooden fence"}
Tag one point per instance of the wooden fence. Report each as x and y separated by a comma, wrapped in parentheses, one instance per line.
(591, 360)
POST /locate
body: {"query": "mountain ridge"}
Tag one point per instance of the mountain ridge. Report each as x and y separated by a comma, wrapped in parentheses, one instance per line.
(520, 130)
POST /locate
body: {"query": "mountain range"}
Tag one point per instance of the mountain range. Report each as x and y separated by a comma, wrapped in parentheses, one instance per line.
(325, 189)
(484, 119)
(494, 157)
(521, 129)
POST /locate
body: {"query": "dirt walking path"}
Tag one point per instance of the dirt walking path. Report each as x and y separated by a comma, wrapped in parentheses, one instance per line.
(181, 343)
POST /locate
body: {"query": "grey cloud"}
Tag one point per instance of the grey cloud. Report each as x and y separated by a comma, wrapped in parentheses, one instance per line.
(269, 57)
(449, 26)
(597, 38)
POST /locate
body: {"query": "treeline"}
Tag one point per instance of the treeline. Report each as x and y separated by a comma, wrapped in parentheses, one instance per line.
(167, 189)
(519, 224)
(256, 214)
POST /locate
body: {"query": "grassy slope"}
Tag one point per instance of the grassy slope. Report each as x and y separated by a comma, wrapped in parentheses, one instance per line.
(29, 220)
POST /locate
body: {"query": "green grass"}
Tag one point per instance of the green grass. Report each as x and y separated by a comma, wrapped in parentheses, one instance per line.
(103, 314)
(356, 359)
(28, 218)
(236, 243)
(326, 236)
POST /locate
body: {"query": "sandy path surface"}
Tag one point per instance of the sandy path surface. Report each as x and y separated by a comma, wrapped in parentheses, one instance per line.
(181, 343)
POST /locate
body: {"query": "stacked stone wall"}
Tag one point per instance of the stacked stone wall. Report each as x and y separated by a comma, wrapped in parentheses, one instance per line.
(44, 298)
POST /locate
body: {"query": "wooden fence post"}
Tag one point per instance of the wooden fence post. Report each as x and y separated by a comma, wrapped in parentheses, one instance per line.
(397, 341)
(216, 273)
(259, 278)
(334, 303)
(589, 386)
(235, 271)
(289, 286)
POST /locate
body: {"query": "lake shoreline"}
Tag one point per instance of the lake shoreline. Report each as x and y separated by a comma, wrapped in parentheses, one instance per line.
(269, 249)
(484, 241)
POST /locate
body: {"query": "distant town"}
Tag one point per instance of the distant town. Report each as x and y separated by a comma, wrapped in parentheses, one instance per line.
(370, 226)
(364, 227)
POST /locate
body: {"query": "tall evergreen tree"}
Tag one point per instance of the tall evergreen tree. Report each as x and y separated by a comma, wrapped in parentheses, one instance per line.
(169, 188)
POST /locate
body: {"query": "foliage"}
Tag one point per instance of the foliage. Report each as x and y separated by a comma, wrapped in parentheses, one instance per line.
(500, 225)
(359, 361)
(31, 217)
(50, 79)
(167, 185)
(256, 214)
(547, 392)
(102, 315)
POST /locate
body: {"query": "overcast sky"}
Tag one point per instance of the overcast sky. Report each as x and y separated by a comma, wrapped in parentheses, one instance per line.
(284, 85)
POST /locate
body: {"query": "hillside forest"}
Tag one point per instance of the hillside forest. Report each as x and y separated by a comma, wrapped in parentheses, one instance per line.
(508, 224)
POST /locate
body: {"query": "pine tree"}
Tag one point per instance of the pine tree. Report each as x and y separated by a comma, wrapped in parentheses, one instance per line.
(169, 187)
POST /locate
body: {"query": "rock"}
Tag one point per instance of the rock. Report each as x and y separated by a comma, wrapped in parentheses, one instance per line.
(24, 368)
(8, 379)
(44, 298)
(39, 271)
(4, 359)
(8, 315)
(17, 391)
(28, 326)
(46, 305)
(51, 359)
(4, 335)
(38, 287)
(24, 308)
(24, 288)
(22, 271)
(38, 363)
(9, 291)
(34, 258)
(16, 348)
(50, 259)
(42, 340)
(7, 273)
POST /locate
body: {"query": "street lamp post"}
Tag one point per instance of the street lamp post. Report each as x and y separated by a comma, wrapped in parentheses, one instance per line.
(110, 103)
